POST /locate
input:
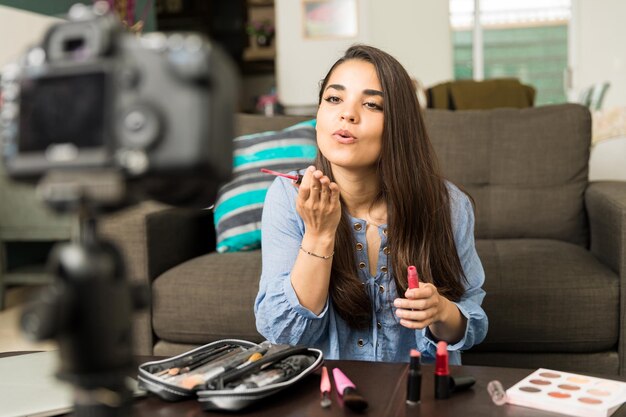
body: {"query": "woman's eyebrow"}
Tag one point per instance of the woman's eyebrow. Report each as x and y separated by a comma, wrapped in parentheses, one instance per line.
(336, 87)
(367, 92)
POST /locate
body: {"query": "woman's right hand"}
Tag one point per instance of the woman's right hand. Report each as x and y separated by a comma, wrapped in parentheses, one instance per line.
(318, 203)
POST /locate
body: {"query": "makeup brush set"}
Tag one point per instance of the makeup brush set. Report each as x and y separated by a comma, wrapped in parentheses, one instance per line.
(229, 374)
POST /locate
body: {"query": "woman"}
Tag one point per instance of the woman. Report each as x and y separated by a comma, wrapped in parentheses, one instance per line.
(336, 249)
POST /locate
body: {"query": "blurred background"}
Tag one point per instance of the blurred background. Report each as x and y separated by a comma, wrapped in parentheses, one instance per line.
(564, 49)
(554, 51)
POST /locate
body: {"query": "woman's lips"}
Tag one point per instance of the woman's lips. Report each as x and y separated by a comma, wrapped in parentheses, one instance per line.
(344, 137)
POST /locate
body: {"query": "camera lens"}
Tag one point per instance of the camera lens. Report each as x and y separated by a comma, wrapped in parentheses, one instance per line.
(73, 45)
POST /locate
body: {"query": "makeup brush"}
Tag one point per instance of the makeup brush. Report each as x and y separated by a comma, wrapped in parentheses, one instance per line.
(351, 397)
(194, 360)
(325, 388)
(231, 363)
(253, 358)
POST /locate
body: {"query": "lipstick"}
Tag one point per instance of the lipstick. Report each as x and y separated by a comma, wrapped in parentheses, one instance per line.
(445, 384)
(412, 277)
(414, 379)
(442, 372)
(325, 388)
(297, 179)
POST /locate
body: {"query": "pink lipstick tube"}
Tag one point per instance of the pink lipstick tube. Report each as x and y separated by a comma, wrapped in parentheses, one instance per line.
(445, 384)
(442, 372)
(412, 277)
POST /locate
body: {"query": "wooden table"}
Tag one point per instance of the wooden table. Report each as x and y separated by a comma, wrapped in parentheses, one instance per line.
(382, 384)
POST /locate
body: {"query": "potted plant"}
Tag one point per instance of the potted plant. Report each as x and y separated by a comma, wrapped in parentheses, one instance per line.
(262, 31)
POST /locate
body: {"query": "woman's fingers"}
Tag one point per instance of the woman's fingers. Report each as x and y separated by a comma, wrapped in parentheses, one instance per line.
(420, 308)
(325, 189)
(312, 187)
(334, 194)
(304, 190)
(316, 185)
(318, 202)
(416, 319)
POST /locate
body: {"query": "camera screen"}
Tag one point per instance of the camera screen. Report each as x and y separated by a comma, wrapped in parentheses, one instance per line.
(62, 109)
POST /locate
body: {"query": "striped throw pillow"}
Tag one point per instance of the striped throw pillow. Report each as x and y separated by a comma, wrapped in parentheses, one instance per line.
(239, 203)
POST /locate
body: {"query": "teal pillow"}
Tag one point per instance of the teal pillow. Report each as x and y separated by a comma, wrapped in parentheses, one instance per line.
(239, 205)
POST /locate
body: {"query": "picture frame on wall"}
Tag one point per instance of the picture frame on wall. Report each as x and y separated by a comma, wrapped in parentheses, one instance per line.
(324, 19)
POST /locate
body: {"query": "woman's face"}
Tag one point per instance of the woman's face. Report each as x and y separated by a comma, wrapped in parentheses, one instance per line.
(350, 116)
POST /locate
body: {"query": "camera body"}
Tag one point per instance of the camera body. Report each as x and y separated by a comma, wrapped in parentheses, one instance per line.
(95, 98)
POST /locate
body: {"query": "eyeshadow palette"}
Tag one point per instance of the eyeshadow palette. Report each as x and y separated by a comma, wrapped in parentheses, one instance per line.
(566, 393)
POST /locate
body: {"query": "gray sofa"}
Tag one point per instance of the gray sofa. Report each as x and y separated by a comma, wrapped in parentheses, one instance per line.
(553, 246)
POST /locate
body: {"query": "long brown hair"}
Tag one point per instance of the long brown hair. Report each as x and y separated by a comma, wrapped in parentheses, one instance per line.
(416, 195)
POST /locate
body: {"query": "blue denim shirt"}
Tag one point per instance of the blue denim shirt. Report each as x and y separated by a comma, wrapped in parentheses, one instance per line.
(282, 319)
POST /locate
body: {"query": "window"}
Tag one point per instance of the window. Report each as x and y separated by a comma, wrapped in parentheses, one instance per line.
(524, 40)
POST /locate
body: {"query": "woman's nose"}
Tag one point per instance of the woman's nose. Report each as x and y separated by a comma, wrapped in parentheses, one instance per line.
(349, 115)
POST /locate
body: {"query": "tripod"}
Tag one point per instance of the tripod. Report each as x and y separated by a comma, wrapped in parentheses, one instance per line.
(88, 311)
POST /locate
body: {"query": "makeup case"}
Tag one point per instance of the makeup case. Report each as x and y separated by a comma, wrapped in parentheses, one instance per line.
(229, 374)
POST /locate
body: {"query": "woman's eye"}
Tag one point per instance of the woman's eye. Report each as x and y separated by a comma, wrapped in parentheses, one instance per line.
(374, 106)
(332, 99)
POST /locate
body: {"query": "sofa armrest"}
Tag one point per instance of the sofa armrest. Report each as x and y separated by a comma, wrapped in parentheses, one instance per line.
(152, 238)
(606, 207)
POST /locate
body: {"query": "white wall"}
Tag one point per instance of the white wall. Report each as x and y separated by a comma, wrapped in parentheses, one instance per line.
(599, 52)
(20, 29)
(415, 32)
(302, 63)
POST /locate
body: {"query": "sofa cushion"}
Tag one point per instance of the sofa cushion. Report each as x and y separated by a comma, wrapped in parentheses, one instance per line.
(208, 298)
(547, 296)
(526, 169)
(240, 201)
(542, 296)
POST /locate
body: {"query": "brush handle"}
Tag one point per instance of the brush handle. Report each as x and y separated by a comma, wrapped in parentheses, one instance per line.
(195, 360)
(297, 178)
(205, 356)
(342, 381)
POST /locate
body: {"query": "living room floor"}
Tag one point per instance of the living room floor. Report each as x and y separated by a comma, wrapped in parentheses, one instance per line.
(11, 337)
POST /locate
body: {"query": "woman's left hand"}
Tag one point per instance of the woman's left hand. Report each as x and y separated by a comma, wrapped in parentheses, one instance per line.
(422, 307)
(425, 307)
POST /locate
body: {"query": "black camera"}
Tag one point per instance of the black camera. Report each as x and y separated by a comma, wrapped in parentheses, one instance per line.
(102, 118)
(155, 109)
